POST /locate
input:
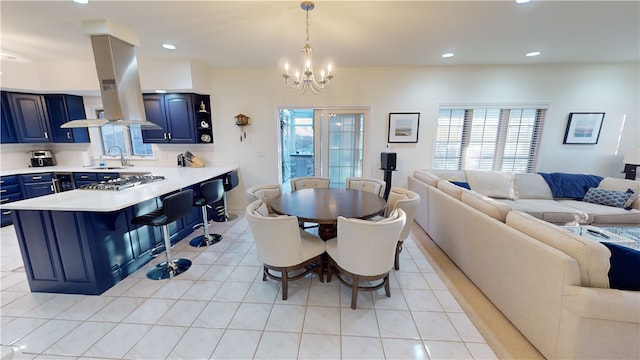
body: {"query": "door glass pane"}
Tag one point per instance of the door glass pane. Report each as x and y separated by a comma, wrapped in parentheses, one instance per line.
(297, 143)
(345, 147)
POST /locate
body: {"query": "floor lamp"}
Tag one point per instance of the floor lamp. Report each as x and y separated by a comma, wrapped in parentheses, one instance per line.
(631, 162)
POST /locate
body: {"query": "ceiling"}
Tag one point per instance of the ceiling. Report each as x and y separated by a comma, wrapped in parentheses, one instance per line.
(265, 34)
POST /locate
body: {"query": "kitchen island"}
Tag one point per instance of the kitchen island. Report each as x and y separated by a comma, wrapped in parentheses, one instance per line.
(83, 242)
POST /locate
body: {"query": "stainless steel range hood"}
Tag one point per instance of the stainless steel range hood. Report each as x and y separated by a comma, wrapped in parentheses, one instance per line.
(120, 88)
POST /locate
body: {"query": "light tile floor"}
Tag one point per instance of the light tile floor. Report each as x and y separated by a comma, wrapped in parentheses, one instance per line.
(222, 309)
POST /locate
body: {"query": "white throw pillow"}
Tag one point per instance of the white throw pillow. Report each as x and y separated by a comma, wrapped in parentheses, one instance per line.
(495, 184)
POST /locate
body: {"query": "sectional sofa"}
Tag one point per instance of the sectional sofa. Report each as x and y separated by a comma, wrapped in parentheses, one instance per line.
(552, 284)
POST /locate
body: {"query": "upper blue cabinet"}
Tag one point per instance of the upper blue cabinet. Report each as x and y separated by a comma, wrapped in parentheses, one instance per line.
(176, 115)
(6, 127)
(34, 118)
(64, 108)
(29, 117)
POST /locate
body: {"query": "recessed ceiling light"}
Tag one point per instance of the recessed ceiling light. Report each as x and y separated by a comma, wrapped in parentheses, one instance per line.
(533, 53)
(169, 46)
(81, 1)
(522, 1)
(161, 91)
(448, 55)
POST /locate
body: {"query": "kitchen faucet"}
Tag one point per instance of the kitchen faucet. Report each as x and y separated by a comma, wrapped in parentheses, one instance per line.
(123, 161)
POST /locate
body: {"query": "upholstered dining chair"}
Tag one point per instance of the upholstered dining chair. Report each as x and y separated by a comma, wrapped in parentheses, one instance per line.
(408, 201)
(264, 193)
(304, 182)
(371, 185)
(363, 251)
(283, 247)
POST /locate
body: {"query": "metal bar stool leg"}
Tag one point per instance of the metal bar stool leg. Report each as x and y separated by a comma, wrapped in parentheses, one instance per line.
(170, 267)
(206, 239)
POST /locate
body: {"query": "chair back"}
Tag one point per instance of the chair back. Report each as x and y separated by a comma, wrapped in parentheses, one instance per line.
(178, 205)
(406, 200)
(371, 185)
(212, 190)
(264, 193)
(367, 247)
(277, 239)
(231, 180)
(309, 182)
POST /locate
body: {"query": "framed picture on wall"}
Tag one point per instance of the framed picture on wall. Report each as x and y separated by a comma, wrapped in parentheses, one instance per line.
(403, 127)
(583, 128)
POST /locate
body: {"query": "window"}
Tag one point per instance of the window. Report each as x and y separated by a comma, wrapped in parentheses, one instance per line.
(128, 139)
(506, 139)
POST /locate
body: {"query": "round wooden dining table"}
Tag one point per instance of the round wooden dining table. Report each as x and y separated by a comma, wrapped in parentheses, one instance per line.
(324, 205)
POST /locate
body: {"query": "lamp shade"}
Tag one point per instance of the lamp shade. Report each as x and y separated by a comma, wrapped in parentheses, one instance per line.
(632, 156)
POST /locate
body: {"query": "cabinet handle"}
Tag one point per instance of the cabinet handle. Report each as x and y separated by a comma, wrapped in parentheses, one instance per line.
(106, 177)
(5, 199)
(169, 136)
(46, 135)
(6, 213)
(1, 181)
(3, 191)
(164, 135)
(36, 178)
(84, 176)
(68, 135)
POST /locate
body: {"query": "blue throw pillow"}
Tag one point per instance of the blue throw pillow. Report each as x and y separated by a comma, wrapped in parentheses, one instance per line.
(461, 184)
(625, 267)
(607, 197)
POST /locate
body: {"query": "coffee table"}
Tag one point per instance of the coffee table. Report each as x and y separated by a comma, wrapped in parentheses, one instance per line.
(602, 235)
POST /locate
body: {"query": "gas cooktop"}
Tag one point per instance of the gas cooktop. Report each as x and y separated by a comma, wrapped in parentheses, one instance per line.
(123, 183)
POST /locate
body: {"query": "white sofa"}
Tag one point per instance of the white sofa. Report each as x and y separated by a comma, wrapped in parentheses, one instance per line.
(550, 283)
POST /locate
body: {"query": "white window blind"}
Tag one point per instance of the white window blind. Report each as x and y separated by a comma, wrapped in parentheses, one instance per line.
(491, 138)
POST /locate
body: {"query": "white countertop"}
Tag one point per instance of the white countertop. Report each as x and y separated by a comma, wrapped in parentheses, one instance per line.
(105, 200)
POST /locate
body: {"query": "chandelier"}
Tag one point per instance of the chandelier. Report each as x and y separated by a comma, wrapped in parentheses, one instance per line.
(307, 80)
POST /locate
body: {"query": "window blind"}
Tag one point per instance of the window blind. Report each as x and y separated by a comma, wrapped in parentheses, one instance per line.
(490, 138)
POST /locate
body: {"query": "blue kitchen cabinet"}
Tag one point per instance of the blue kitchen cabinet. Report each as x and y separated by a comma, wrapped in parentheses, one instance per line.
(175, 114)
(6, 127)
(29, 117)
(10, 191)
(34, 185)
(62, 109)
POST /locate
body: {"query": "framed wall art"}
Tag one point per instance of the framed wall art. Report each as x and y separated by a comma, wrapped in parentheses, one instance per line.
(403, 127)
(583, 128)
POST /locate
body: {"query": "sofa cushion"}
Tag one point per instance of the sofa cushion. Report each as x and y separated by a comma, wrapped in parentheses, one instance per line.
(592, 257)
(605, 214)
(452, 175)
(495, 184)
(449, 188)
(486, 204)
(531, 186)
(607, 197)
(625, 267)
(426, 177)
(553, 211)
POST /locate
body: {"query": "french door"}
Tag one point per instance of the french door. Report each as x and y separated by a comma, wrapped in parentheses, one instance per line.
(323, 142)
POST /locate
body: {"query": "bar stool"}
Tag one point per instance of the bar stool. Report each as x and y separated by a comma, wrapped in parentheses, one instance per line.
(210, 192)
(174, 207)
(231, 180)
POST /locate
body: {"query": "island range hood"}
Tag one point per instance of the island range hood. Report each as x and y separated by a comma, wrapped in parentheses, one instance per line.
(120, 88)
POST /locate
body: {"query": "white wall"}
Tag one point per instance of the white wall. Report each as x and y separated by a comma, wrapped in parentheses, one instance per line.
(610, 88)
(613, 89)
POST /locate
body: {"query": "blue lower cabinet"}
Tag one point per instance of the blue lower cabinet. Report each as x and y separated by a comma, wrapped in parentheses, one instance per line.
(10, 190)
(77, 252)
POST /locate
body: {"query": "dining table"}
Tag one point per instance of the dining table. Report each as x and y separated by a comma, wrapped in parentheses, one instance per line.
(324, 205)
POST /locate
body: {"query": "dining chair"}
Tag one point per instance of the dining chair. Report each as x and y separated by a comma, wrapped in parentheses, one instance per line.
(283, 247)
(408, 201)
(304, 182)
(363, 251)
(264, 193)
(371, 185)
